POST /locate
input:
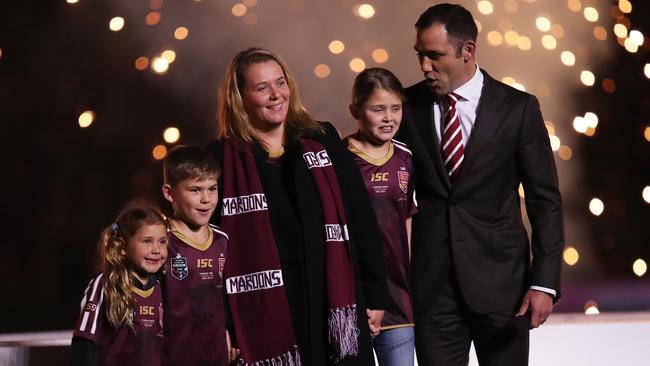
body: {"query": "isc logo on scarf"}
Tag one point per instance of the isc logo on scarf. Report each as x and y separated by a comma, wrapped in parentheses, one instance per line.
(318, 159)
(254, 281)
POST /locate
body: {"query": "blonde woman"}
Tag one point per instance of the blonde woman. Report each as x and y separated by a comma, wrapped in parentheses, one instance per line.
(305, 277)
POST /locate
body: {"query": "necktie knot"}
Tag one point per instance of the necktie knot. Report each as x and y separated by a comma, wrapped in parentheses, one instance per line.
(452, 99)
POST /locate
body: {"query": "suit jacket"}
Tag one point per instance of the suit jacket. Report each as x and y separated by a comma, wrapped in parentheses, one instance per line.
(474, 227)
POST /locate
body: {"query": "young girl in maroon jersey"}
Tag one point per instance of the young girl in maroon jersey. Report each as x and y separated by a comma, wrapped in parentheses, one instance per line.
(121, 310)
(387, 170)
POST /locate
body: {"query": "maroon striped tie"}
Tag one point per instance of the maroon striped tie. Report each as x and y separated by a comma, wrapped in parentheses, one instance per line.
(452, 141)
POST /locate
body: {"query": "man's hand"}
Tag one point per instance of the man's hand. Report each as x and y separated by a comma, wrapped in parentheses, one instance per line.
(374, 321)
(540, 304)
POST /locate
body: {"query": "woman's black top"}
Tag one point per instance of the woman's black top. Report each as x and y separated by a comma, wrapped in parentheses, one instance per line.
(296, 221)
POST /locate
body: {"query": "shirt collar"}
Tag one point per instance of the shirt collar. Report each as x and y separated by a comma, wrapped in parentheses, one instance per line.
(471, 90)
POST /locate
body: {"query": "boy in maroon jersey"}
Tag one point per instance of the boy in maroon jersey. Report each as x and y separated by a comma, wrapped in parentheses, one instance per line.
(121, 311)
(387, 169)
(195, 332)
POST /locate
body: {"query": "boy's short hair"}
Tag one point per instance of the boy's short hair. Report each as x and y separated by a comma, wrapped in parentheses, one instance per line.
(189, 162)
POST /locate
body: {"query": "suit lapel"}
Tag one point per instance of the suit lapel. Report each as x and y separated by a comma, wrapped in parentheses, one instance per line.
(490, 112)
(423, 115)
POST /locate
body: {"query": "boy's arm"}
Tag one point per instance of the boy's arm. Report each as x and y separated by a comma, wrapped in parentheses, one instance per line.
(230, 323)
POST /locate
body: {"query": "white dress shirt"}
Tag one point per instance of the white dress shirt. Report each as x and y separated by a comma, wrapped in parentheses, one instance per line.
(466, 106)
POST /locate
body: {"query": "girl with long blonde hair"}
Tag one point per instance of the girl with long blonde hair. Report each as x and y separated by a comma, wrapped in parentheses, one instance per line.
(121, 310)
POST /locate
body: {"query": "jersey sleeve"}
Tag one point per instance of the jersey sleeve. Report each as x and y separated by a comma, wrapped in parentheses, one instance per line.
(412, 200)
(91, 314)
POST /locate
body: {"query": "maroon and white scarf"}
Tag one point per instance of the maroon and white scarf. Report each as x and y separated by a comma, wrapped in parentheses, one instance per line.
(253, 273)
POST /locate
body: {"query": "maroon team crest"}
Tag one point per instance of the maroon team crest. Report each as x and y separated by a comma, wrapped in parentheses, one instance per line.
(179, 267)
(403, 178)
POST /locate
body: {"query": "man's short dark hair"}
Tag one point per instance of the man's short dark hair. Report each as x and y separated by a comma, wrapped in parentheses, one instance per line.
(457, 20)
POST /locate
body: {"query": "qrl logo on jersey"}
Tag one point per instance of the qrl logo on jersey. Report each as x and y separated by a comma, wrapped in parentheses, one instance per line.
(179, 267)
(403, 178)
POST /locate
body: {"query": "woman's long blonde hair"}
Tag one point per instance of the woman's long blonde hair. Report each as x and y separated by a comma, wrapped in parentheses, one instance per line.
(232, 119)
(113, 246)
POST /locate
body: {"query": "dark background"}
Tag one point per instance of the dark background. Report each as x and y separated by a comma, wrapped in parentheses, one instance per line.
(61, 184)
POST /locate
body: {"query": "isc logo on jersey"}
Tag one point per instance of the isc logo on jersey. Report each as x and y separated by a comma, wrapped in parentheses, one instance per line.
(317, 160)
(379, 177)
(204, 263)
(146, 310)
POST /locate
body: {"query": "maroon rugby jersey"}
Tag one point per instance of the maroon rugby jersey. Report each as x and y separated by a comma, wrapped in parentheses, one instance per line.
(195, 332)
(390, 184)
(140, 345)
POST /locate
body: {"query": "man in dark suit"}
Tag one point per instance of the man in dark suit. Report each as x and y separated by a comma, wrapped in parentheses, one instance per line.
(474, 141)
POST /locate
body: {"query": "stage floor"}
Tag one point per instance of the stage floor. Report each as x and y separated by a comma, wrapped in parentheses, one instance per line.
(567, 339)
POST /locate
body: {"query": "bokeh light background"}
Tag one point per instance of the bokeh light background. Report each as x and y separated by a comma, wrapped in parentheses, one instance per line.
(94, 93)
